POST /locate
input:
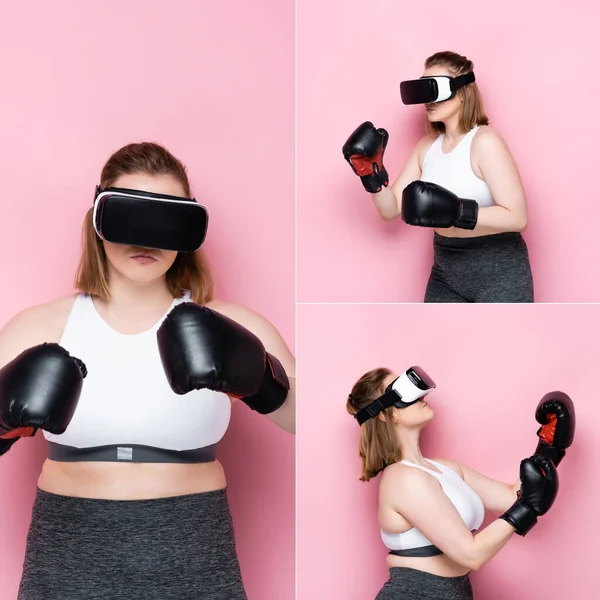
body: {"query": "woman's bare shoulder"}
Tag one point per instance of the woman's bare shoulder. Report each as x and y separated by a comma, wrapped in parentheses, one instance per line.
(426, 141)
(38, 323)
(486, 136)
(243, 315)
(398, 475)
(54, 310)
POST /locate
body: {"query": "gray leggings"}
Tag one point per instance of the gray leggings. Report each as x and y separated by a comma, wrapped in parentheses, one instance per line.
(489, 268)
(410, 584)
(178, 548)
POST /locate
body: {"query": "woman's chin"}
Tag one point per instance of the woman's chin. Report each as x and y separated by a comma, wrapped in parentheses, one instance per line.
(142, 275)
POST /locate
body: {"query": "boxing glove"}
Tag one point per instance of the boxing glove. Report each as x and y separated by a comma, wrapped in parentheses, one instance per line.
(364, 151)
(430, 205)
(201, 348)
(539, 487)
(40, 388)
(556, 415)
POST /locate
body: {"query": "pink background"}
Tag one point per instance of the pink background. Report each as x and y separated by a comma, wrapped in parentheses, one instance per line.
(491, 364)
(213, 82)
(534, 74)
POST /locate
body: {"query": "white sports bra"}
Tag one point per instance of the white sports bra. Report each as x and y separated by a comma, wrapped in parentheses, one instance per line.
(127, 410)
(465, 499)
(454, 171)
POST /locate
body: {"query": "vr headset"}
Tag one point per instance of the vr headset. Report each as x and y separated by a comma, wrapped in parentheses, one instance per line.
(428, 90)
(402, 392)
(149, 220)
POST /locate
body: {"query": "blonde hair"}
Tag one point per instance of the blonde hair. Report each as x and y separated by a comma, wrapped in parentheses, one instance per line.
(190, 271)
(472, 112)
(378, 446)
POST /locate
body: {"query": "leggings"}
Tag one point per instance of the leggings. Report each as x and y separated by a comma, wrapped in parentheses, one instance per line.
(489, 268)
(410, 584)
(178, 548)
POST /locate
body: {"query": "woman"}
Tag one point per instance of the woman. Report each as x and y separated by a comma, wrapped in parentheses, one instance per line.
(480, 256)
(429, 509)
(140, 367)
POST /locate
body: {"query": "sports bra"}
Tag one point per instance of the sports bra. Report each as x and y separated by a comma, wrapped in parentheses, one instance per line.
(127, 410)
(453, 170)
(465, 500)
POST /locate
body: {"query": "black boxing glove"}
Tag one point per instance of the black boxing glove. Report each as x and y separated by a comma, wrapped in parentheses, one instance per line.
(364, 151)
(556, 414)
(40, 388)
(539, 487)
(430, 205)
(201, 348)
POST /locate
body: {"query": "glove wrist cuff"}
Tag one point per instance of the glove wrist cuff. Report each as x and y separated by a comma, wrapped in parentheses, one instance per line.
(468, 211)
(521, 517)
(375, 182)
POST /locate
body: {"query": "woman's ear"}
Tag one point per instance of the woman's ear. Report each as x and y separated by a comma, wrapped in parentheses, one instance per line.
(381, 416)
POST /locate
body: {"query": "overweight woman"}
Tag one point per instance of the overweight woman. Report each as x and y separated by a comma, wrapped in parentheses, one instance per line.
(431, 510)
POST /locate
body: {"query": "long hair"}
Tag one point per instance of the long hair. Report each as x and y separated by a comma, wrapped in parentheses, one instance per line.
(378, 446)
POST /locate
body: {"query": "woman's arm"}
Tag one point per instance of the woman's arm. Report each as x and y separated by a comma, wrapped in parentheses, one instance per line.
(496, 496)
(32, 326)
(388, 201)
(285, 415)
(14, 337)
(498, 169)
(419, 498)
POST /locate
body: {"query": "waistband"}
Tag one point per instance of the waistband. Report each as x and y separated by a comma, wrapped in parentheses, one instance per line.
(404, 573)
(102, 515)
(412, 583)
(482, 241)
(58, 502)
(135, 453)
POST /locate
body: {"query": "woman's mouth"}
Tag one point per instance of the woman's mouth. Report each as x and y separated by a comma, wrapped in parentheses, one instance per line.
(144, 259)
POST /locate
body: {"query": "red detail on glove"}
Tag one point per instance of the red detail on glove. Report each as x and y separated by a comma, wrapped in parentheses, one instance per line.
(548, 430)
(368, 165)
(20, 432)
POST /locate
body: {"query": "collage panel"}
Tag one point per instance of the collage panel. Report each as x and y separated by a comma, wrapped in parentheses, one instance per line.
(147, 383)
(418, 426)
(437, 151)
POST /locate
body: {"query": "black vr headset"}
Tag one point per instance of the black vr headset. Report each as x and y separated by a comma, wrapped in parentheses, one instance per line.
(149, 220)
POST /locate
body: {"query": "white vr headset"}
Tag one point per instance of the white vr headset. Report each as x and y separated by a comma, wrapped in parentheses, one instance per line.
(402, 392)
(428, 90)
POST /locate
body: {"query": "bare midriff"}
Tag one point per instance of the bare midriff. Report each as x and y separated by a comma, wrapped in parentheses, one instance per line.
(132, 481)
(457, 232)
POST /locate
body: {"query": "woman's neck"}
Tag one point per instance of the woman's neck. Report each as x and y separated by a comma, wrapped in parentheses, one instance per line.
(408, 440)
(452, 130)
(128, 297)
